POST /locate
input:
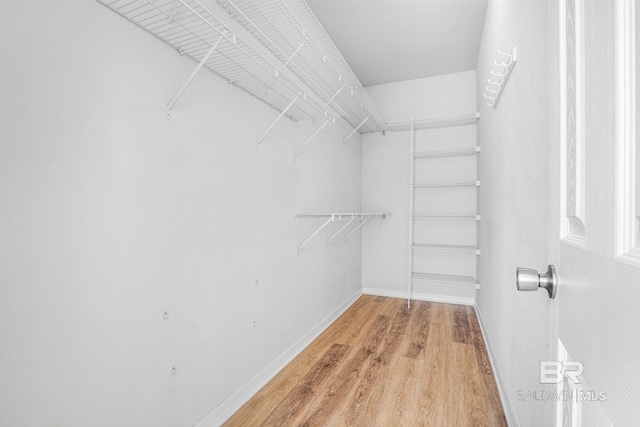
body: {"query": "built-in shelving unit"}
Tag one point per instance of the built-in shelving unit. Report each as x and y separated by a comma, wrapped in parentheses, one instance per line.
(439, 122)
(360, 218)
(439, 184)
(443, 248)
(448, 278)
(448, 216)
(446, 248)
(276, 50)
(446, 153)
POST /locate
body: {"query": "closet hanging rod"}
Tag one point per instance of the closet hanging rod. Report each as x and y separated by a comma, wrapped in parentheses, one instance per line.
(332, 217)
(343, 216)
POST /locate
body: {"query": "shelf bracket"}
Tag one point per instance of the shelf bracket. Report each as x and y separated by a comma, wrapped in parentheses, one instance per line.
(365, 220)
(334, 96)
(310, 138)
(315, 233)
(356, 128)
(295, 53)
(344, 113)
(277, 119)
(340, 231)
(349, 217)
(193, 74)
(287, 63)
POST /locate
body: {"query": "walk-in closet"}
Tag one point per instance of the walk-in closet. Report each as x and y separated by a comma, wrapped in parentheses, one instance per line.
(319, 213)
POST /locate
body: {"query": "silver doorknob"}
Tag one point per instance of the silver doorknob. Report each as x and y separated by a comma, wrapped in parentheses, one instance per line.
(529, 280)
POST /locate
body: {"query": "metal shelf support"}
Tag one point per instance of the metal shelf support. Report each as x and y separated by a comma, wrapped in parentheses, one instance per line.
(310, 138)
(356, 128)
(357, 228)
(193, 74)
(349, 217)
(274, 50)
(340, 231)
(315, 233)
(334, 96)
(277, 119)
(412, 177)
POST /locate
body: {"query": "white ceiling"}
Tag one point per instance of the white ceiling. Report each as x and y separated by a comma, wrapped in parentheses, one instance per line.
(386, 41)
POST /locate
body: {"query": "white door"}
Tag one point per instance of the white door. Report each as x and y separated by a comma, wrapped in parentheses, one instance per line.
(597, 244)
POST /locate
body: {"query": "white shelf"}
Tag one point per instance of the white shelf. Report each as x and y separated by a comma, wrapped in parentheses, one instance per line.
(446, 153)
(343, 216)
(446, 184)
(465, 119)
(349, 217)
(446, 216)
(449, 279)
(445, 254)
(275, 50)
(465, 249)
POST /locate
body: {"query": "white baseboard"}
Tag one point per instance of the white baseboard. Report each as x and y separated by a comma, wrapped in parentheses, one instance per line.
(231, 404)
(507, 405)
(391, 293)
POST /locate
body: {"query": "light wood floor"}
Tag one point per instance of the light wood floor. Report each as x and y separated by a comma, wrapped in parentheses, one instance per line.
(380, 364)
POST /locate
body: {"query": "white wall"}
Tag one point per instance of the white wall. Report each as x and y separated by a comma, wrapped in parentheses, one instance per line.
(432, 97)
(112, 215)
(386, 171)
(514, 200)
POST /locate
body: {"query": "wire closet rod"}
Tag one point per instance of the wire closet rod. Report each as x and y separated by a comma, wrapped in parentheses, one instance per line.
(341, 216)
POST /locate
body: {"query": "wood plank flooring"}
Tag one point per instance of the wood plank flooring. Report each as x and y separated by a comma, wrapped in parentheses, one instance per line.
(380, 364)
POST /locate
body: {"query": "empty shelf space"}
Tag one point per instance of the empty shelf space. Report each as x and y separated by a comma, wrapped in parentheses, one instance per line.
(446, 153)
(439, 184)
(445, 216)
(466, 249)
(445, 278)
(439, 122)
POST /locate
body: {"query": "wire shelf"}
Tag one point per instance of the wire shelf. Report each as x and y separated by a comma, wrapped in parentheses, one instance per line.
(452, 279)
(472, 249)
(273, 49)
(349, 217)
(446, 153)
(439, 122)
